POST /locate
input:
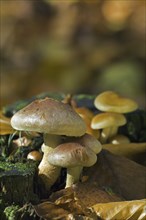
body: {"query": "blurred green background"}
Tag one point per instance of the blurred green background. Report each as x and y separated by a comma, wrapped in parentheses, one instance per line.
(72, 47)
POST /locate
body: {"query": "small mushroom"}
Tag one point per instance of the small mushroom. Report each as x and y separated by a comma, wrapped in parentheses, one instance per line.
(90, 142)
(86, 140)
(52, 118)
(21, 142)
(87, 116)
(74, 157)
(84, 112)
(119, 139)
(34, 155)
(109, 123)
(110, 101)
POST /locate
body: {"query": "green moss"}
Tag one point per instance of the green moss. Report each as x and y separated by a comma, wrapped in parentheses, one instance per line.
(11, 212)
(14, 169)
(16, 212)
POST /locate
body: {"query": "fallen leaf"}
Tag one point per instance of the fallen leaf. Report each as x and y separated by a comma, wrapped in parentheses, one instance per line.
(98, 197)
(51, 211)
(130, 150)
(86, 193)
(48, 211)
(72, 203)
(122, 175)
(67, 204)
(127, 210)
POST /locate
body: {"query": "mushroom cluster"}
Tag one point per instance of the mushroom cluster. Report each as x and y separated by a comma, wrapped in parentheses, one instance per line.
(76, 153)
(112, 107)
(55, 120)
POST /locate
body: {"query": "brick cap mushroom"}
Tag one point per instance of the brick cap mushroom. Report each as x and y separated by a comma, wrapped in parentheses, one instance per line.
(110, 101)
(119, 139)
(90, 142)
(74, 157)
(109, 123)
(49, 116)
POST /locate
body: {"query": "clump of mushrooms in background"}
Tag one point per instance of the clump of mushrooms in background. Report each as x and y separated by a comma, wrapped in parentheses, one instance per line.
(53, 119)
(64, 126)
(112, 107)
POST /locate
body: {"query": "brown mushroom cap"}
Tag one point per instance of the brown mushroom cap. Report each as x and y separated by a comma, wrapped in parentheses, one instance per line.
(112, 102)
(34, 155)
(90, 142)
(84, 112)
(108, 119)
(71, 155)
(49, 116)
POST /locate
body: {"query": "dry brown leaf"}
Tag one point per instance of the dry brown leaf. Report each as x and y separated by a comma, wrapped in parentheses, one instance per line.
(73, 204)
(52, 211)
(81, 200)
(122, 175)
(85, 194)
(68, 200)
(48, 210)
(112, 178)
(127, 210)
(131, 150)
(69, 207)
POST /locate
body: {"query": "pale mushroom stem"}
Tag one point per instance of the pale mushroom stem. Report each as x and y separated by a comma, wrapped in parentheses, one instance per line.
(51, 140)
(47, 172)
(73, 175)
(108, 133)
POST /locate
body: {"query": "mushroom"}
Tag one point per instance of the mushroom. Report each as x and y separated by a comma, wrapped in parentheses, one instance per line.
(84, 112)
(21, 142)
(109, 123)
(119, 139)
(87, 116)
(112, 102)
(52, 118)
(90, 142)
(74, 157)
(34, 155)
